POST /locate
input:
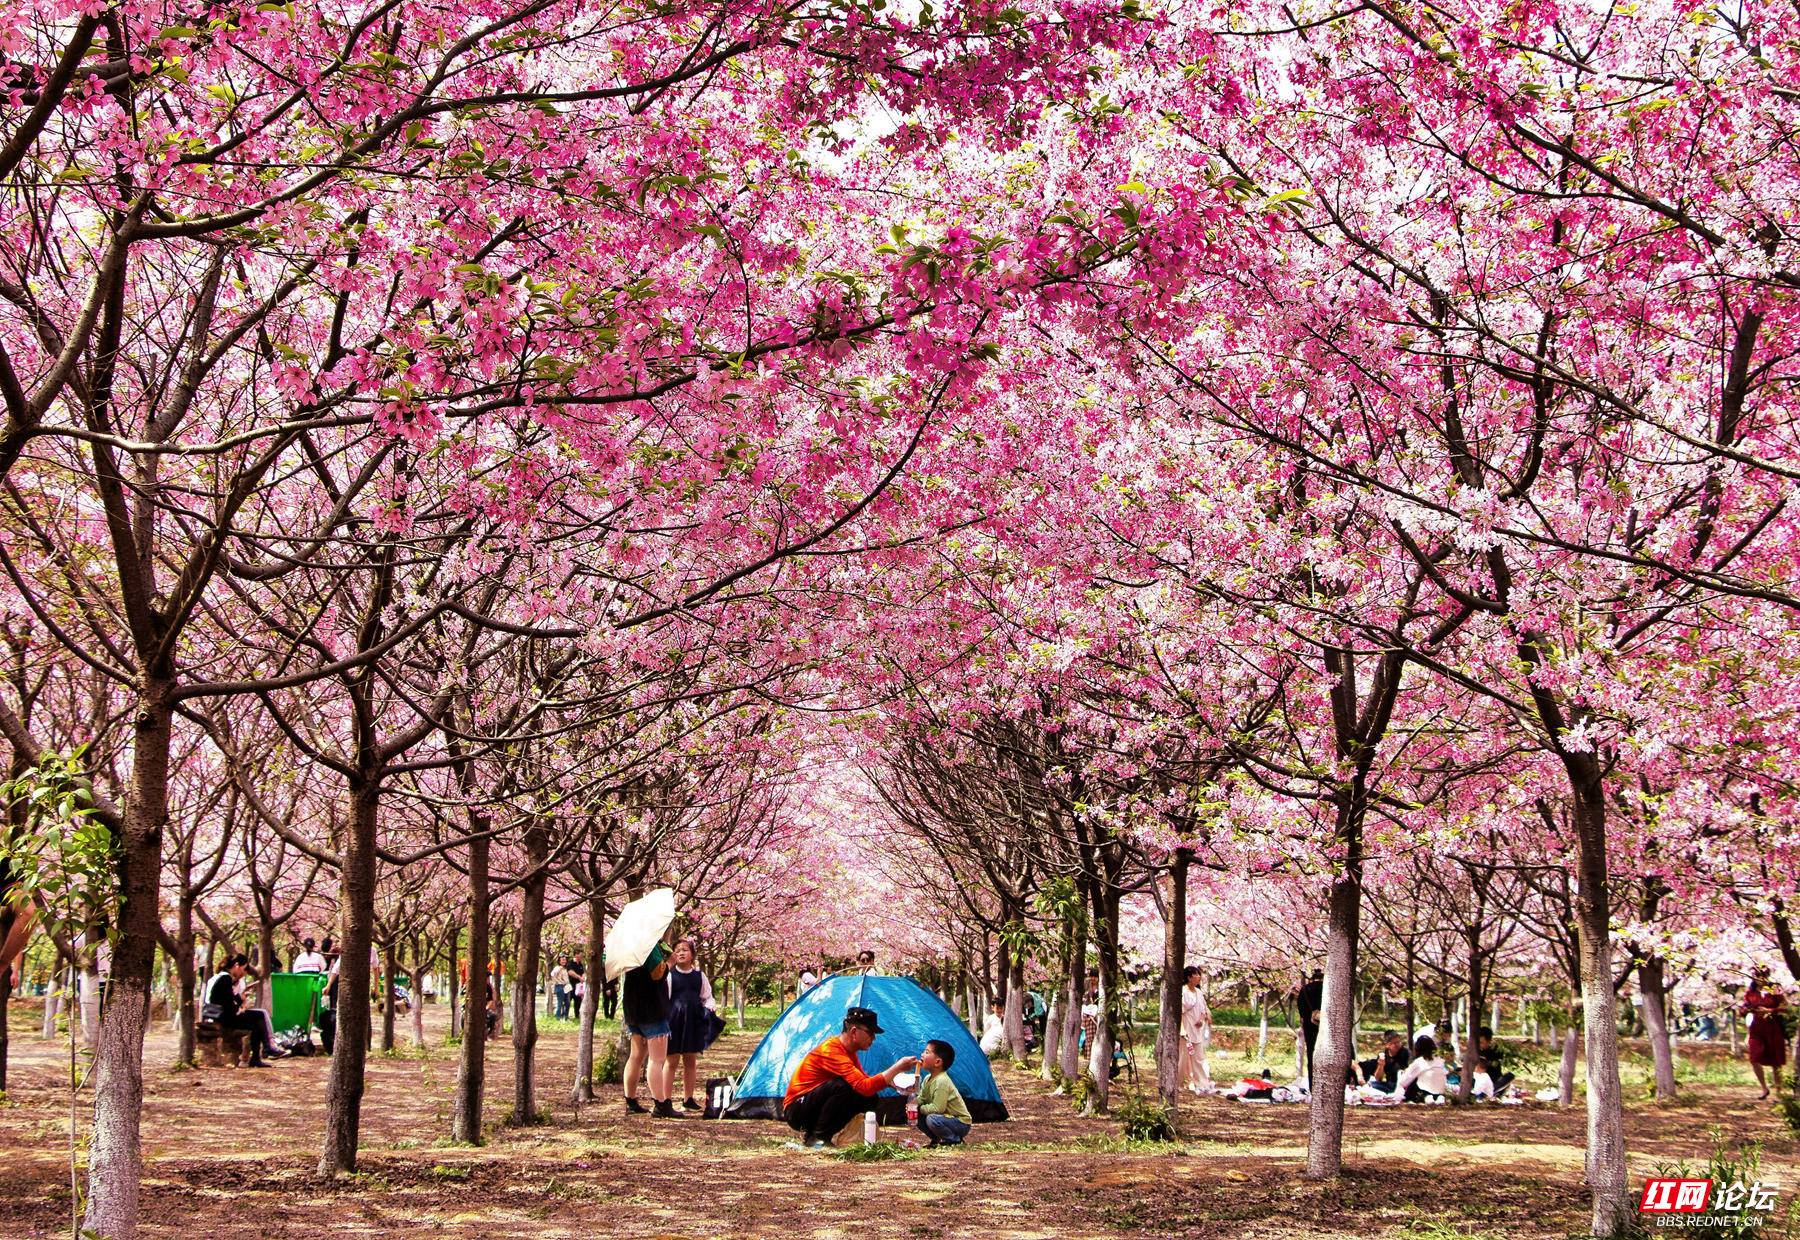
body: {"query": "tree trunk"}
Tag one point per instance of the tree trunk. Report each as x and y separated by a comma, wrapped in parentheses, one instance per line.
(1656, 1021)
(1053, 1022)
(1330, 1059)
(737, 987)
(1100, 1058)
(1168, 1029)
(53, 1003)
(497, 957)
(590, 1001)
(5, 1047)
(471, 1071)
(1412, 1003)
(531, 939)
(185, 986)
(455, 982)
(387, 996)
(265, 962)
(1612, 1205)
(1565, 1081)
(1077, 985)
(1471, 1050)
(115, 1163)
(1106, 948)
(1015, 1006)
(417, 980)
(350, 1051)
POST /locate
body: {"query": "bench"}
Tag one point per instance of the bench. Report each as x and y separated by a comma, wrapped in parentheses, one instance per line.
(221, 1047)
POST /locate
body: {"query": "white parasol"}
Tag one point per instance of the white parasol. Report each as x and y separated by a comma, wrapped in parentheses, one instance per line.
(637, 930)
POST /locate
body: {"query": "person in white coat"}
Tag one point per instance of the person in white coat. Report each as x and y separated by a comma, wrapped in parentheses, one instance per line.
(993, 1030)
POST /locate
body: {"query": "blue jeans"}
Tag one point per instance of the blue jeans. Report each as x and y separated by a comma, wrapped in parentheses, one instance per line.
(944, 1129)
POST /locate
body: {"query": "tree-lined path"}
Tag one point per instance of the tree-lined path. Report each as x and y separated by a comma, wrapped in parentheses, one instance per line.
(1046, 1173)
(1054, 494)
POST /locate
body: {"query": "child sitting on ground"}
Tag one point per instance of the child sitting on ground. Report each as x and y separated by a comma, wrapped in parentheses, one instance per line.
(943, 1115)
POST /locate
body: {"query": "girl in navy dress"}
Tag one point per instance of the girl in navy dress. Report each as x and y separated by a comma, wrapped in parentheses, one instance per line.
(693, 1022)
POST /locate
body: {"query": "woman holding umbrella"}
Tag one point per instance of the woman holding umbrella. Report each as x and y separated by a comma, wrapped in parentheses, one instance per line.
(645, 998)
(635, 949)
(693, 1020)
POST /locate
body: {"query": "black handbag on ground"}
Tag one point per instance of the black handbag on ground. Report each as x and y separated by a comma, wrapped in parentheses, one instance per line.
(719, 1091)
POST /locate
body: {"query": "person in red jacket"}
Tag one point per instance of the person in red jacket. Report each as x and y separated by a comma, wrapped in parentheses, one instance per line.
(830, 1086)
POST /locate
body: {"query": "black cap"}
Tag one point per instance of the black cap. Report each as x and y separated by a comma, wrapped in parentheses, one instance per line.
(864, 1017)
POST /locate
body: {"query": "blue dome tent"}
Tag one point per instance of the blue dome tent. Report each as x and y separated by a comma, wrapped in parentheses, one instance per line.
(909, 1015)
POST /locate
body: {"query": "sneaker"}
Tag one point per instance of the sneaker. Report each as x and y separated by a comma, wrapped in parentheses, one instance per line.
(818, 1143)
(665, 1110)
(256, 1063)
(691, 1105)
(635, 1107)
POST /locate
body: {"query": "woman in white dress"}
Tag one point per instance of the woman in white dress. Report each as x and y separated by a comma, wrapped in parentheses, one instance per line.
(1196, 1031)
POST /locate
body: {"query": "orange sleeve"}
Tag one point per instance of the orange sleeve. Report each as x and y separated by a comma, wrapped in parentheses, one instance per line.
(831, 1061)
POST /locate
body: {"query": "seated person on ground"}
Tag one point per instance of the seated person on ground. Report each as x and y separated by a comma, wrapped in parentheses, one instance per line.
(1383, 1071)
(1424, 1076)
(221, 992)
(1493, 1059)
(830, 1086)
(943, 1115)
(1484, 1082)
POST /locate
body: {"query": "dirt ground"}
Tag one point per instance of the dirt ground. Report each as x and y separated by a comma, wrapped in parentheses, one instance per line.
(232, 1153)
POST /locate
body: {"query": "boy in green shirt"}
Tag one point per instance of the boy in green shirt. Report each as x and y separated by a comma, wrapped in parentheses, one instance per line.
(943, 1115)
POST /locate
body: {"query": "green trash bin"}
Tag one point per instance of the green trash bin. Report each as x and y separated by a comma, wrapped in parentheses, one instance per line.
(294, 1000)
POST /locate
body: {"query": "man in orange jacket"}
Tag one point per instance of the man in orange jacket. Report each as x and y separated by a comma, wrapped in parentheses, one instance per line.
(830, 1086)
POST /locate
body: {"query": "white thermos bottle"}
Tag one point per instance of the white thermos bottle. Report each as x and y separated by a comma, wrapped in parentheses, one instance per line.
(868, 1128)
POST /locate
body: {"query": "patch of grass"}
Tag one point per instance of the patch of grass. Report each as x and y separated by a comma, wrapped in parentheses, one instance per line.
(1108, 1143)
(1124, 1218)
(1145, 1120)
(881, 1151)
(448, 1171)
(1437, 1229)
(1790, 1111)
(1081, 1092)
(609, 1064)
(570, 1190)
